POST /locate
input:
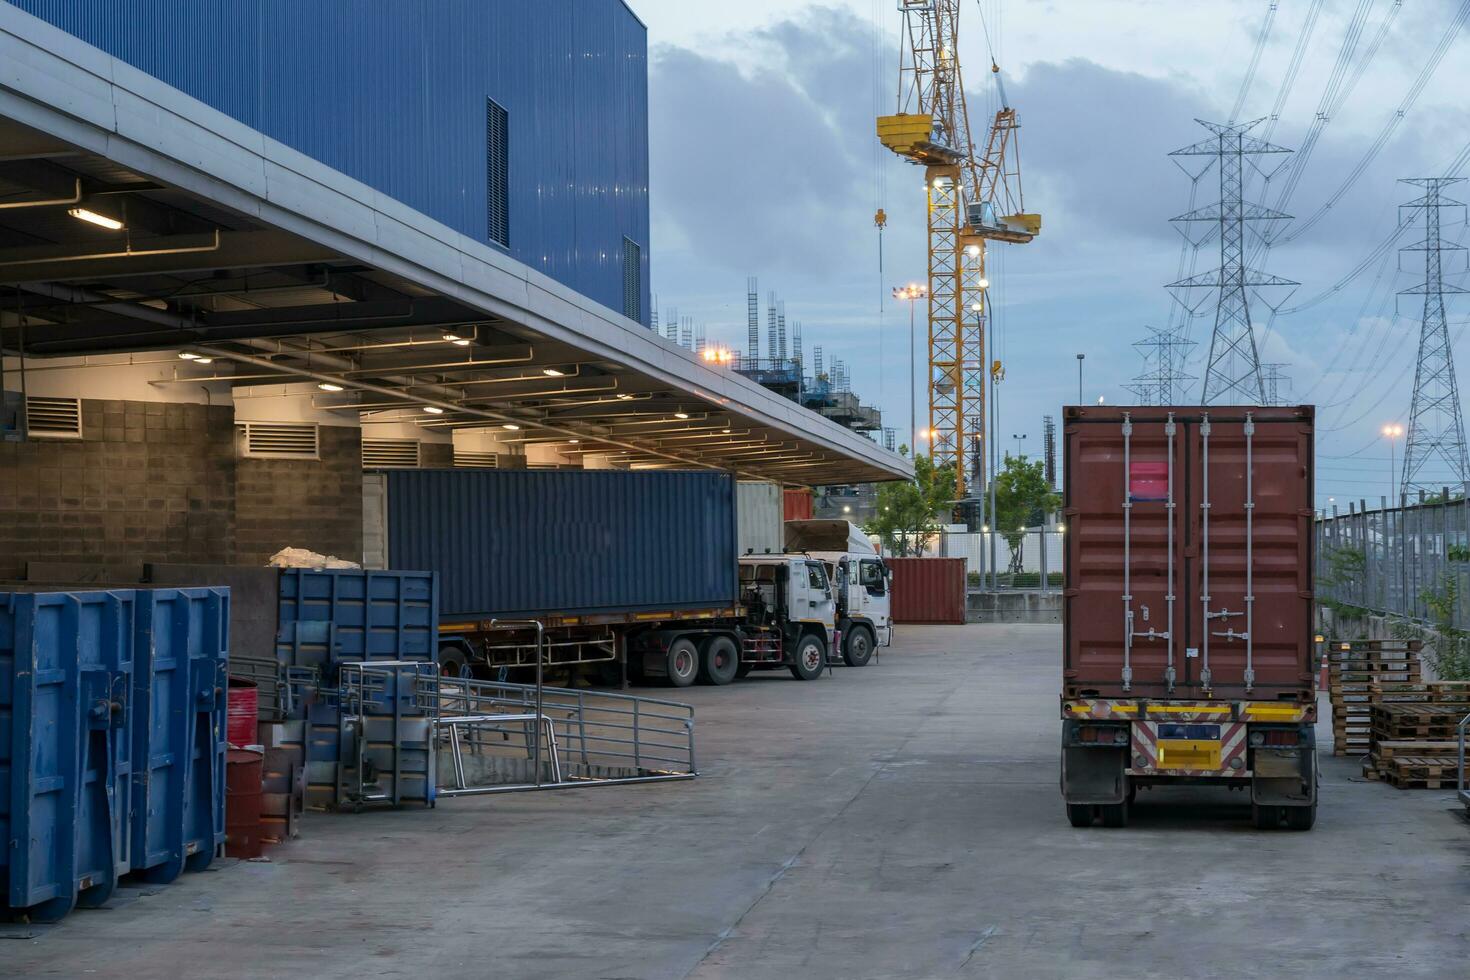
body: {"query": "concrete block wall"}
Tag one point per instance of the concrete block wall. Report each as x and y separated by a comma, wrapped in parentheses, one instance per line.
(148, 481)
(313, 504)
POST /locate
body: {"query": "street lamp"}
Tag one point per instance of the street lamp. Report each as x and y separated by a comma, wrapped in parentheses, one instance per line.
(912, 292)
(1020, 442)
(1079, 377)
(1391, 431)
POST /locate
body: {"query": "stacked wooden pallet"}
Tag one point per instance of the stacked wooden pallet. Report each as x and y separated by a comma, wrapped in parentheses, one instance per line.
(1354, 667)
(1413, 728)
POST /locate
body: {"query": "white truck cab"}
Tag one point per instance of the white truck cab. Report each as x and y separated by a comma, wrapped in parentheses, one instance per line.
(790, 611)
(862, 580)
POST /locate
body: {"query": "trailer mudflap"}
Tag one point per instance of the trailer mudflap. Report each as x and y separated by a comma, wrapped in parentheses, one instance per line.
(1285, 777)
(1093, 776)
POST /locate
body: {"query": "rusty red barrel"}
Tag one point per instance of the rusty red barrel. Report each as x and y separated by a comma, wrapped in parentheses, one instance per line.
(242, 708)
(242, 803)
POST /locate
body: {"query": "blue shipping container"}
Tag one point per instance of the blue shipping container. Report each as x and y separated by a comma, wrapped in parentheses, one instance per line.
(66, 668)
(181, 648)
(529, 543)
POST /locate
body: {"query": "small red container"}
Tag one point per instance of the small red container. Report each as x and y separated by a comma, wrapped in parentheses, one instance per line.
(242, 707)
(928, 590)
(243, 838)
(797, 505)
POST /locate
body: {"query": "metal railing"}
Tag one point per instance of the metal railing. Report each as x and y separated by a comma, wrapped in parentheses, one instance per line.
(493, 734)
(280, 687)
(1412, 560)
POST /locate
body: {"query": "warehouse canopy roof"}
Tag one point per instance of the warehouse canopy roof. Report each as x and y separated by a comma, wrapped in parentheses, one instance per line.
(133, 218)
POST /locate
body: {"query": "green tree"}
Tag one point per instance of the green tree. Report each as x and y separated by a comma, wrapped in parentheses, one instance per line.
(908, 511)
(1022, 500)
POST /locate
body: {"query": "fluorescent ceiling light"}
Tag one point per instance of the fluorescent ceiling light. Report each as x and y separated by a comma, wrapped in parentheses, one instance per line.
(461, 342)
(203, 360)
(451, 336)
(553, 373)
(681, 415)
(625, 398)
(574, 441)
(188, 355)
(328, 386)
(433, 409)
(511, 426)
(92, 217)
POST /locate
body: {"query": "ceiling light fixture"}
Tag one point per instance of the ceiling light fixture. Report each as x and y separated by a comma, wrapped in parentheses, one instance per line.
(328, 386)
(188, 355)
(574, 441)
(511, 426)
(433, 409)
(553, 373)
(203, 360)
(451, 336)
(624, 398)
(92, 217)
(681, 415)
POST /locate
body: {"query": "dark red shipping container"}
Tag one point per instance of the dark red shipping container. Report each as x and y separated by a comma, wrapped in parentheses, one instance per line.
(1236, 555)
(928, 590)
(797, 505)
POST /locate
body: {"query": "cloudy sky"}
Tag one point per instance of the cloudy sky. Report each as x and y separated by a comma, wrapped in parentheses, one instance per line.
(764, 163)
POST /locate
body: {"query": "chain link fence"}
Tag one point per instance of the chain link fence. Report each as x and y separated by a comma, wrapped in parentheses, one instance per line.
(1035, 561)
(1412, 560)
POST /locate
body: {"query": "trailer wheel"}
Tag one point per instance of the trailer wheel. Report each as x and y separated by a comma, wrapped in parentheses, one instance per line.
(683, 659)
(1301, 817)
(1079, 814)
(811, 656)
(1115, 814)
(857, 646)
(451, 661)
(718, 661)
(1265, 817)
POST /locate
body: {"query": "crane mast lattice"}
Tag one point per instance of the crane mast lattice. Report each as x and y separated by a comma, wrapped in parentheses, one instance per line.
(971, 199)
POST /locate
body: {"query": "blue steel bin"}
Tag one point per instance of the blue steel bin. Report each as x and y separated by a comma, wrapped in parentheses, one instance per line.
(179, 741)
(66, 668)
(336, 615)
(331, 617)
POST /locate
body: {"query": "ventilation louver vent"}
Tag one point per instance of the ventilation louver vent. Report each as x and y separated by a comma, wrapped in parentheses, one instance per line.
(281, 440)
(497, 173)
(53, 418)
(632, 280)
(390, 453)
(472, 460)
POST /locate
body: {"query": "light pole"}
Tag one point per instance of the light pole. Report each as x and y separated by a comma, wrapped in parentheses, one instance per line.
(1020, 443)
(1392, 431)
(1079, 377)
(912, 292)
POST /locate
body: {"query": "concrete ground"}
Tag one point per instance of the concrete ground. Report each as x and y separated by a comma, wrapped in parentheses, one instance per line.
(898, 820)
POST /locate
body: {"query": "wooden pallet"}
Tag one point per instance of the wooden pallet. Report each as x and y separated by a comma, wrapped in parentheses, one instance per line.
(1350, 647)
(1422, 772)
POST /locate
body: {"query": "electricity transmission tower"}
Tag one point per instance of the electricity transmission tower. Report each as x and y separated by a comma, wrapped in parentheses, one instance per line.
(1164, 354)
(1436, 426)
(1233, 369)
(1275, 383)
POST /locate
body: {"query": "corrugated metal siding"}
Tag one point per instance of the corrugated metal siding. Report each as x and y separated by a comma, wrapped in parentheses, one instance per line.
(392, 93)
(758, 511)
(928, 590)
(1279, 546)
(797, 505)
(519, 543)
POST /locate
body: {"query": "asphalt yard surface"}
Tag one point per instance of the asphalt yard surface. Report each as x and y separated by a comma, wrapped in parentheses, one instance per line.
(896, 820)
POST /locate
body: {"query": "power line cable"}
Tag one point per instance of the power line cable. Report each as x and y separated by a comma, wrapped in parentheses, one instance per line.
(1255, 62)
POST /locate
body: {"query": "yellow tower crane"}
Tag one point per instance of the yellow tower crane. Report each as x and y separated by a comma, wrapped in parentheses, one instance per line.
(972, 200)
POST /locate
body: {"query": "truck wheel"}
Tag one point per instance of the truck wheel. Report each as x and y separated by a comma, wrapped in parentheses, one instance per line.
(1301, 817)
(451, 661)
(1115, 815)
(683, 663)
(1079, 814)
(811, 656)
(718, 661)
(857, 646)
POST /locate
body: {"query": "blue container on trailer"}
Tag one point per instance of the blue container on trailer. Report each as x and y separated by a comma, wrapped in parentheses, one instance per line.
(181, 646)
(66, 669)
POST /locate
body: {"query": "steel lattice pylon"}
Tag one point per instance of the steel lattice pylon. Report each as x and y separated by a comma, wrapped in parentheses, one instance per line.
(1436, 425)
(1164, 355)
(1233, 368)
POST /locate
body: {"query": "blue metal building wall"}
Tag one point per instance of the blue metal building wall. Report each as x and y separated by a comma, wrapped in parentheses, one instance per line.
(392, 93)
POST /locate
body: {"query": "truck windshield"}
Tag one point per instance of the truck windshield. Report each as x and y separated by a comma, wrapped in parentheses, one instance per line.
(872, 577)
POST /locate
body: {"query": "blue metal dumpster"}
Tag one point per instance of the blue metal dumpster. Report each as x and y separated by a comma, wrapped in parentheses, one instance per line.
(331, 617)
(66, 669)
(181, 647)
